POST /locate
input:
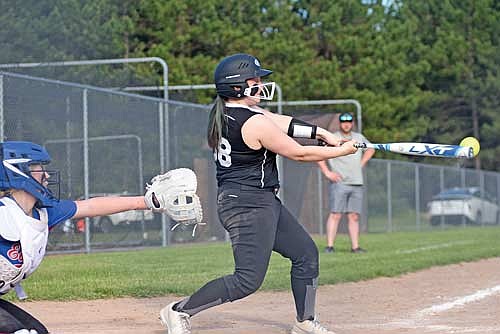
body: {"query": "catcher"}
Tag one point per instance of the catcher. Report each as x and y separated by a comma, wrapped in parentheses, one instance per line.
(29, 210)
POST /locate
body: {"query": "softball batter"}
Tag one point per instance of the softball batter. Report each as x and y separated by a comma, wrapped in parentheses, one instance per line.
(246, 139)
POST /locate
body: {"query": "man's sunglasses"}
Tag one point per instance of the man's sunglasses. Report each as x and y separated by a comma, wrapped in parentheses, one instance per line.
(345, 118)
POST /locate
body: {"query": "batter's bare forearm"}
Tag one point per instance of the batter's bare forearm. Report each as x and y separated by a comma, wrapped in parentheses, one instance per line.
(325, 135)
(321, 153)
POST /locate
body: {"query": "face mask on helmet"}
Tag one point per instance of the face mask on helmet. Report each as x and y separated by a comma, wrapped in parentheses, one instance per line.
(49, 178)
(15, 171)
(264, 91)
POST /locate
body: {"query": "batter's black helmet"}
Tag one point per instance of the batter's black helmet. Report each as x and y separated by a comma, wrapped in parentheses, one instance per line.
(233, 71)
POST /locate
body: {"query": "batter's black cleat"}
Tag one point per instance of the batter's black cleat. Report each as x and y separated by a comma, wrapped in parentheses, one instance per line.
(358, 250)
(329, 250)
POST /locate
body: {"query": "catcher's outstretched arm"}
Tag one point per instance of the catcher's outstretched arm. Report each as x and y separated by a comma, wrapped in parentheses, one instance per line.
(173, 193)
(101, 206)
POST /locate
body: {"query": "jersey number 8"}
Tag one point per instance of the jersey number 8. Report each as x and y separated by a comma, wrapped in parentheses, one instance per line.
(223, 153)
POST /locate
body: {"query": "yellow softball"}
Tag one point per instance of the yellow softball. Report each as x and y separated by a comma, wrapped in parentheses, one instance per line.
(471, 142)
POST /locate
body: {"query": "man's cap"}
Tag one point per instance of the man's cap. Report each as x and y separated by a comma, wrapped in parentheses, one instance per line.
(345, 117)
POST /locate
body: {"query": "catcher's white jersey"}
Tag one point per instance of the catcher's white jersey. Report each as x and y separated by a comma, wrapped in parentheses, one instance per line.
(23, 239)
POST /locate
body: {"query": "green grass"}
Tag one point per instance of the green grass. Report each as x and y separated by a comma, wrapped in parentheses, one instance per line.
(183, 269)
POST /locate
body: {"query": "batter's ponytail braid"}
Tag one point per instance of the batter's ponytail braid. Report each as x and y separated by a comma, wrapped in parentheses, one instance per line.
(216, 121)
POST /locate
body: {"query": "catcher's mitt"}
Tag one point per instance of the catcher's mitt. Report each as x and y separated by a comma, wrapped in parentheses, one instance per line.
(175, 194)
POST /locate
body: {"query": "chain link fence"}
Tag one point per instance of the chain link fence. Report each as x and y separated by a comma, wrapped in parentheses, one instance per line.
(105, 142)
(109, 143)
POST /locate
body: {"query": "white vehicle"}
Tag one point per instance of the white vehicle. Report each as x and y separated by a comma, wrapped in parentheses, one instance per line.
(453, 205)
(108, 223)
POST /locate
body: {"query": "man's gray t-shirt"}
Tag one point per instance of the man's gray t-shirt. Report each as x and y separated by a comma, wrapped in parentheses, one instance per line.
(349, 166)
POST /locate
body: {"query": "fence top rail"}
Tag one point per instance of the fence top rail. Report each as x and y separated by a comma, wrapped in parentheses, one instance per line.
(80, 86)
(191, 104)
(158, 60)
(86, 62)
(101, 90)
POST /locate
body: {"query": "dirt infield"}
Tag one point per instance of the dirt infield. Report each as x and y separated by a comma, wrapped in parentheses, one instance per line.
(462, 298)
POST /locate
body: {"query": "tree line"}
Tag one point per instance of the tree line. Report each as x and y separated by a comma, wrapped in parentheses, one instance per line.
(422, 70)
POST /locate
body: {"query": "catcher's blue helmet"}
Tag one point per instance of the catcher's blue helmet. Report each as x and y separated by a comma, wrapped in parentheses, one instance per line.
(234, 71)
(17, 156)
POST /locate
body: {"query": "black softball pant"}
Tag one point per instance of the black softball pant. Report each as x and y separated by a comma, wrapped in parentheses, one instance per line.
(12, 319)
(258, 224)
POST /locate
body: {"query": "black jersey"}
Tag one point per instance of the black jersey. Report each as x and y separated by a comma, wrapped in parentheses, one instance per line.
(238, 163)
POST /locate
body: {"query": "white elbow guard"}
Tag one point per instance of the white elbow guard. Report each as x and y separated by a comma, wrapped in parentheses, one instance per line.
(301, 129)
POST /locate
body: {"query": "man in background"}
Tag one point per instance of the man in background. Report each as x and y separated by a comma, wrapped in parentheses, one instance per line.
(346, 186)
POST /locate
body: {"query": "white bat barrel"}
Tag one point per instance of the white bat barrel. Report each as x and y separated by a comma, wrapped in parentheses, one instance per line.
(423, 149)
